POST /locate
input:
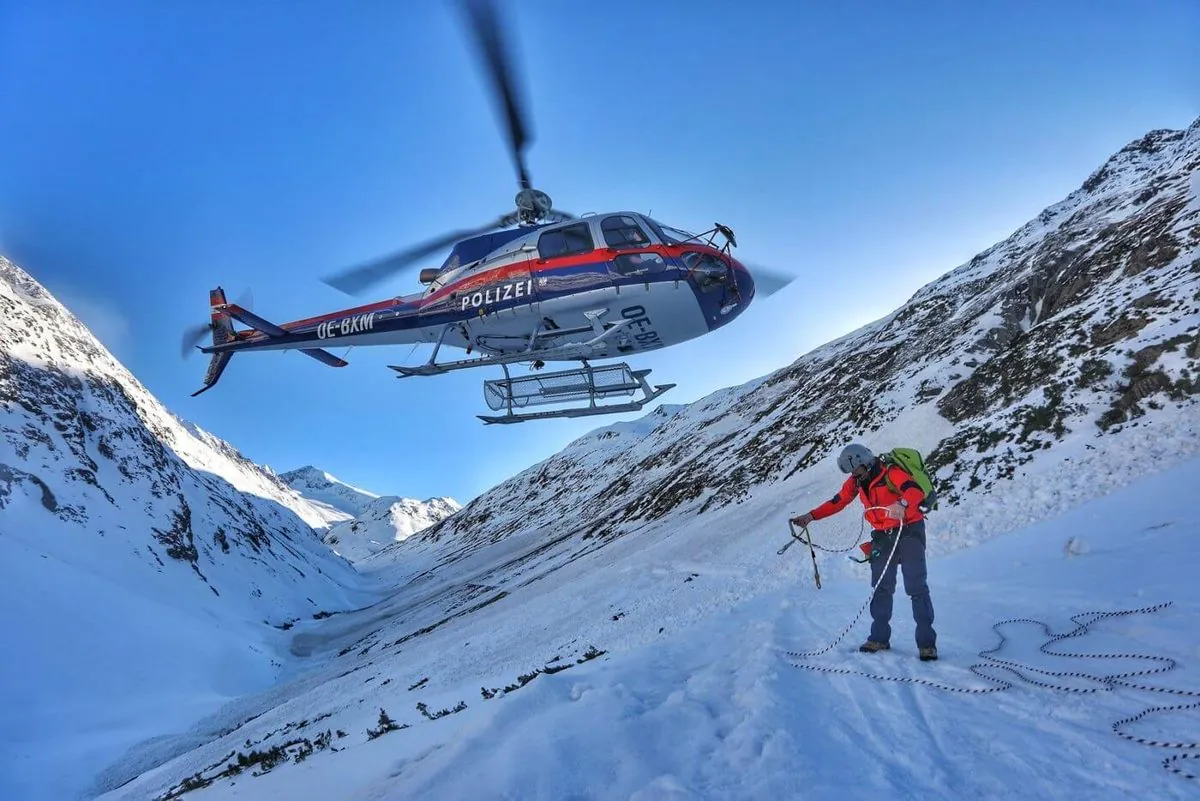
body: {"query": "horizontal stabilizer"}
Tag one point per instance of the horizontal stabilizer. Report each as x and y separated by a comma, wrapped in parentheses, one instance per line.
(254, 321)
(324, 357)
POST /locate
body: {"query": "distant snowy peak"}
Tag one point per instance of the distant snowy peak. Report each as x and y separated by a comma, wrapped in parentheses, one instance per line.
(319, 486)
(384, 521)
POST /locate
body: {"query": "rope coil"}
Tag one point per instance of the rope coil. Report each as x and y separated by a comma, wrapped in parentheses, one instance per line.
(1083, 623)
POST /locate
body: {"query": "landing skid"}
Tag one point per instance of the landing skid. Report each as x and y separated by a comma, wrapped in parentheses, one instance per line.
(615, 408)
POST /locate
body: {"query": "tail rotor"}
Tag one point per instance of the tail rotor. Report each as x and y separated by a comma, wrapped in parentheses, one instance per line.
(193, 336)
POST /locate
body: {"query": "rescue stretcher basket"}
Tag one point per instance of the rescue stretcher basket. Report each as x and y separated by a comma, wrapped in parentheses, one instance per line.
(587, 383)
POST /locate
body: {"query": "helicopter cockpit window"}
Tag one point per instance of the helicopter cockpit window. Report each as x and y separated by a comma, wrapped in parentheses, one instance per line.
(622, 231)
(672, 236)
(566, 241)
(709, 271)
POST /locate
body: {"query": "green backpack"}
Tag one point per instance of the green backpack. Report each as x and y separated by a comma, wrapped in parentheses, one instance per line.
(909, 460)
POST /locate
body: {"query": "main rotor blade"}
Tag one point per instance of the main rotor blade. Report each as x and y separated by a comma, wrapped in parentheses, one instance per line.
(487, 33)
(357, 279)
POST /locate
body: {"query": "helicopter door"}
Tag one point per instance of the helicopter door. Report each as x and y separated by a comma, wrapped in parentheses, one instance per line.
(499, 308)
(630, 260)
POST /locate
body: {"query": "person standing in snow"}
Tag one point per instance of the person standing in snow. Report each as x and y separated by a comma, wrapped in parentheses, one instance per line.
(890, 513)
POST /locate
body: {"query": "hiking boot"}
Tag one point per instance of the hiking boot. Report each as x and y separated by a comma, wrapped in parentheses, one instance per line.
(871, 646)
(928, 654)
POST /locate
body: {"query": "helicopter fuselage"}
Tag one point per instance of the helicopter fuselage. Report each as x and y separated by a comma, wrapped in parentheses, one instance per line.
(545, 287)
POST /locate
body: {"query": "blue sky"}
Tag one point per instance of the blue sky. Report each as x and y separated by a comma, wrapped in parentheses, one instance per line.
(150, 151)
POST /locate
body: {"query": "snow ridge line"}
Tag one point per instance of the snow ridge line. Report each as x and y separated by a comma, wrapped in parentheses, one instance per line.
(1105, 682)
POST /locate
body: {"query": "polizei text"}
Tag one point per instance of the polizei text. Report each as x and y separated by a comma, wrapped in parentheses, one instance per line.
(517, 289)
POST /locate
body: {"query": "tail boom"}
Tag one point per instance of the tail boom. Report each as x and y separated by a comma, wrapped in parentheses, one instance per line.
(223, 336)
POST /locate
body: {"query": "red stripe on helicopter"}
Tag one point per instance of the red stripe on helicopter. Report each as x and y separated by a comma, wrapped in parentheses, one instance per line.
(517, 270)
(370, 307)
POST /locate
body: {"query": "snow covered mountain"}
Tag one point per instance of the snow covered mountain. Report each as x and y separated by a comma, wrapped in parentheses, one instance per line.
(1084, 324)
(624, 599)
(385, 521)
(146, 557)
(362, 523)
(343, 500)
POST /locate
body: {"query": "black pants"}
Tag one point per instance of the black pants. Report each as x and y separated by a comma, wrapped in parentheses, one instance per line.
(910, 556)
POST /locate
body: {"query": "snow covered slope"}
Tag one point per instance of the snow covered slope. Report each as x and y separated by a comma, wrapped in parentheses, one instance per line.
(659, 671)
(385, 521)
(142, 560)
(611, 623)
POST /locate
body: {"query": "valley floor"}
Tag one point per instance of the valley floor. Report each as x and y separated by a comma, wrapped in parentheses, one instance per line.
(694, 696)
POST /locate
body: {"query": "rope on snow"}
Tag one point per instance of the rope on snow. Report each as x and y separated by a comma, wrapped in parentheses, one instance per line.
(1083, 622)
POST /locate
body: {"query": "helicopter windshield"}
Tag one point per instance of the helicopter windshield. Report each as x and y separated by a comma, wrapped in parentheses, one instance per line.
(669, 235)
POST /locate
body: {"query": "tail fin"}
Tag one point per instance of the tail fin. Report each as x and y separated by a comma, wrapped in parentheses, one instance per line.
(222, 332)
(222, 323)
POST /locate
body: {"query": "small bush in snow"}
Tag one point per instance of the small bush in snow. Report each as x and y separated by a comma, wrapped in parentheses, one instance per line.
(424, 710)
(386, 724)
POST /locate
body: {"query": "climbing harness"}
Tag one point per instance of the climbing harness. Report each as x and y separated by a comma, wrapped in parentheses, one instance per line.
(1083, 622)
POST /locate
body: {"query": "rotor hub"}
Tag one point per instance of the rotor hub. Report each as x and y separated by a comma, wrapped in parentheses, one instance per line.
(533, 205)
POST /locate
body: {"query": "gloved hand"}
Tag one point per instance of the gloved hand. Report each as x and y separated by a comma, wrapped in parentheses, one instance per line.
(896, 510)
(803, 520)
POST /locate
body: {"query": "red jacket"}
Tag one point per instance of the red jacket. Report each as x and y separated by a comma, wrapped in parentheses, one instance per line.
(879, 494)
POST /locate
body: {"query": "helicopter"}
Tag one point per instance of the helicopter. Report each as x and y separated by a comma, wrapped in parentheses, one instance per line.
(536, 285)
